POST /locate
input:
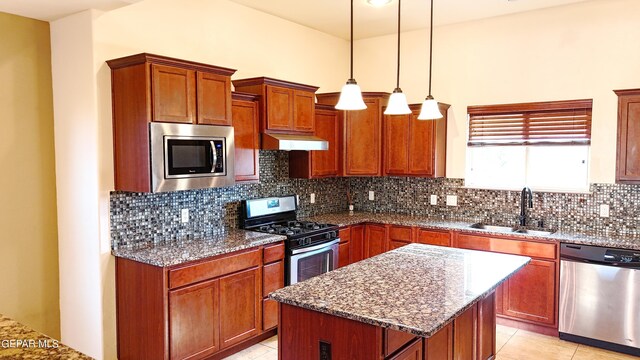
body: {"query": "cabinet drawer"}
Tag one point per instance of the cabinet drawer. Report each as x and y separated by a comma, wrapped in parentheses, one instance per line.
(213, 268)
(273, 253)
(516, 247)
(431, 237)
(394, 340)
(269, 314)
(345, 234)
(394, 244)
(272, 277)
(401, 233)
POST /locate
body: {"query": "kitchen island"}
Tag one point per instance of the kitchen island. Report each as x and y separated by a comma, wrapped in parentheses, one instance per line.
(415, 302)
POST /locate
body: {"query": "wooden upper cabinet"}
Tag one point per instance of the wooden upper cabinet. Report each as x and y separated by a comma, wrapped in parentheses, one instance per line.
(247, 137)
(279, 104)
(628, 153)
(147, 88)
(285, 107)
(214, 99)
(362, 135)
(415, 147)
(320, 164)
(173, 93)
(303, 111)
(396, 139)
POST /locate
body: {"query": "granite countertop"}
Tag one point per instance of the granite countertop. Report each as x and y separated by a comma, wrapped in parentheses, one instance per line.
(178, 252)
(346, 219)
(17, 341)
(416, 288)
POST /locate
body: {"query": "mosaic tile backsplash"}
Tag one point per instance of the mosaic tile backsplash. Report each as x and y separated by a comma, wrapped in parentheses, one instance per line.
(139, 218)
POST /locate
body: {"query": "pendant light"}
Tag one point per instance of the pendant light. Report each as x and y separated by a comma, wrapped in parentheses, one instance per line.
(351, 96)
(398, 101)
(430, 110)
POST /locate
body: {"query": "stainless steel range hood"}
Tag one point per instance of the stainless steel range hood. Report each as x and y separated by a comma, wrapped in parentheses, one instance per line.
(293, 142)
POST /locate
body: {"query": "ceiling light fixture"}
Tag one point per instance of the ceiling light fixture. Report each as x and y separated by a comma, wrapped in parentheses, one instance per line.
(430, 110)
(351, 96)
(378, 3)
(398, 101)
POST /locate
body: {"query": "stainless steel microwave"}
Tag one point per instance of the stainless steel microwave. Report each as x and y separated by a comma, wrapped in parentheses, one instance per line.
(185, 156)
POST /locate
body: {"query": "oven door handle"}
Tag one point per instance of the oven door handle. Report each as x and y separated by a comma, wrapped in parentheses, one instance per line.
(314, 248)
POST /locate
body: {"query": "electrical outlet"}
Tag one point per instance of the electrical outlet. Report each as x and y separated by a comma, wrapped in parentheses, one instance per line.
(434, 199)
(452, 200)
(312, 199)
(184, 214)
(372, 195)
(604, 210)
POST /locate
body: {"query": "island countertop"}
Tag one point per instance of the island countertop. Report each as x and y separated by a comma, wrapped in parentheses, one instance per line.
(416, 288)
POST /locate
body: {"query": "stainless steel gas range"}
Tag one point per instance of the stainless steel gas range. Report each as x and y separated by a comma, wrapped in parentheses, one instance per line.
(311, 248)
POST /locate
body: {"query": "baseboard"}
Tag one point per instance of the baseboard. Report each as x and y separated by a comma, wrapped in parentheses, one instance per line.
(243, 345)
(540, 329)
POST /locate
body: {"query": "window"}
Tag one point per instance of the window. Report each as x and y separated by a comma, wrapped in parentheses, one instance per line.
(541, 145)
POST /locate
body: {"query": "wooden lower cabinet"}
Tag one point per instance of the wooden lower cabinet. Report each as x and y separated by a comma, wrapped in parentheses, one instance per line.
(433, 237)
(375, 240)
(357, 243)
(464, 338)
(530, 294)
(344, 254)
(204, 309)
(194, 314)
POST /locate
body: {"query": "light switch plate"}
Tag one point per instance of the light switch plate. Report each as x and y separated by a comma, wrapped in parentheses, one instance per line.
(434, 199)
(312, 199)
(452, 200)
(604, 210)
(372, 195)
(184, 214)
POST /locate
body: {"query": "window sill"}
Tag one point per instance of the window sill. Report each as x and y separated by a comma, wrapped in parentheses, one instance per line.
(544, 190)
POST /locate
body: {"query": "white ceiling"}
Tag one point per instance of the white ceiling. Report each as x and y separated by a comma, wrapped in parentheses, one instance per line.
(49, 10)
(332, 16)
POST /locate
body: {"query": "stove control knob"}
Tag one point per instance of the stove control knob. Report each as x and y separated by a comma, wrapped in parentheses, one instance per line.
(307, 241)
(301, 242)
(334, 234)
(327, 236)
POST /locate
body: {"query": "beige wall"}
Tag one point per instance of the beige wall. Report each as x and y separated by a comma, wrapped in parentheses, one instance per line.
(578, 51)
(217, 32)
(28, 239)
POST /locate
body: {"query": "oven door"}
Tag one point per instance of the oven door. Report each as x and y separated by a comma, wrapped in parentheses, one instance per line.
(193, 157)
(312, 261)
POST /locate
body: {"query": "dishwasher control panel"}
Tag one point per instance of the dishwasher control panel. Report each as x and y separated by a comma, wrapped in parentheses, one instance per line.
(600, 255)
(622, 256)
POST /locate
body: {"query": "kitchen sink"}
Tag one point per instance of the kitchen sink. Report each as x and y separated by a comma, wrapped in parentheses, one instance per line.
(511, 229)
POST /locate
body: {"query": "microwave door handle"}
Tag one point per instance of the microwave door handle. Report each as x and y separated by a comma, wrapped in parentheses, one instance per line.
(214, 156)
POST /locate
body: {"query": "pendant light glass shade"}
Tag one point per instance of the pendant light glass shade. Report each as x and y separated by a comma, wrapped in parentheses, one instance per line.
(351, 97)
(397, 104)
(430, 109)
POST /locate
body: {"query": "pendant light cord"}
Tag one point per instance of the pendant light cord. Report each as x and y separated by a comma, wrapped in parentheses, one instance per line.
(398, 73)
(351, 40)
(430, 47)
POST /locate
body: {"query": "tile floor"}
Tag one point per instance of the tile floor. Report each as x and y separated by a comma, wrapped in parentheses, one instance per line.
(511, 344)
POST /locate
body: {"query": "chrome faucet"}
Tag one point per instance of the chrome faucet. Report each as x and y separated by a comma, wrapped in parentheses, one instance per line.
(523, 205)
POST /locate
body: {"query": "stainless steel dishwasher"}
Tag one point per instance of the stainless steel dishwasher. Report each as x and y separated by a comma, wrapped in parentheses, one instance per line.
(600, 297)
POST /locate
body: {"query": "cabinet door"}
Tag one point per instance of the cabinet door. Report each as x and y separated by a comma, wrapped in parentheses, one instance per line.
(344, 254)
(363, 141)
(214, 99)
(530, 293)
(272, 277)
(240, 305)
(357, 243)
(326, 163)
(193, 320)
(269, 314)
(464, 334)
(421, 146)
(303, 111)
(279, 108)
(173, 94)
(412, 352)
(247, 140)
(396, 150)
(440, 345)
(430, 237)
(628, 157)
(376, 239)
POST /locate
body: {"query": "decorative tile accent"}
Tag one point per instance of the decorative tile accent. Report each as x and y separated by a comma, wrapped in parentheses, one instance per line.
(155, 218)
